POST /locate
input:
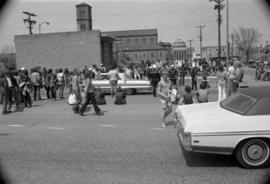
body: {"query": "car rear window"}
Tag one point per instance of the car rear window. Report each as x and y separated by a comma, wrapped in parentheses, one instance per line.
(239, 103)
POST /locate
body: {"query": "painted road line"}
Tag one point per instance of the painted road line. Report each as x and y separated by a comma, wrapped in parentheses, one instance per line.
(103, 125)
(16, 125)
(56, 128)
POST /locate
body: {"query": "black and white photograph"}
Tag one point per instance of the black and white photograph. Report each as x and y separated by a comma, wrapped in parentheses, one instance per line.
(135, 92)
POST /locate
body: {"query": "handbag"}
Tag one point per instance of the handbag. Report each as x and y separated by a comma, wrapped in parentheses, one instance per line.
(72, 99)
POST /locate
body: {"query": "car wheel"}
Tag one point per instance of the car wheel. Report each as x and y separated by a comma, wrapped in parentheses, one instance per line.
(253, 153)
(130, 91)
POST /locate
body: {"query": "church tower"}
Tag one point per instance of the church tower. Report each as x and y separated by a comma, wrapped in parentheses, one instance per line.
(84, 17)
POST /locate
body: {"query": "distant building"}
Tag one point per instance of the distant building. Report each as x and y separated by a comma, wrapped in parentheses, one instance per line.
(211, 52)
(138, 46)
(8, 61)
(180, 51)
(67, 49)
(260, 53)
(168, 46)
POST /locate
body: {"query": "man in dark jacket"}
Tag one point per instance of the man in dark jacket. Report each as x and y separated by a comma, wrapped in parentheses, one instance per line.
(154, 77)
(90, 96)
(173, 74)
(194, 75)
(4, 92)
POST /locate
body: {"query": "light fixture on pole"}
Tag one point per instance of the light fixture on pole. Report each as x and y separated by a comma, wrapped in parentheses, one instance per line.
(39, 25)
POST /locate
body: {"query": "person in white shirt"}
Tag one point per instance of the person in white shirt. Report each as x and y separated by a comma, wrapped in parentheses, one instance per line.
(230, 77)
(114, 77)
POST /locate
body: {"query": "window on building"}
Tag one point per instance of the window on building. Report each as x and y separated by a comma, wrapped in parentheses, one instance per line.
(136, 41)
(144, 40)
(152, 40)
(152, 54)
(144, 55)
(136, 55)
(160, 54)
(128, 41)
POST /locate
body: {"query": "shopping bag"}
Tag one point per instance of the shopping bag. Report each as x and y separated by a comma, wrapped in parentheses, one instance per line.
(72, 99)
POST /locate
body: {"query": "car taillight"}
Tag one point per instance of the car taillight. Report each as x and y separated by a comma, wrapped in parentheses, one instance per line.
(187, 137)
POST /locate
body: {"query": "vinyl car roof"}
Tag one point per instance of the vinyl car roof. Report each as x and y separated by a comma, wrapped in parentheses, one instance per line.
(257, 92)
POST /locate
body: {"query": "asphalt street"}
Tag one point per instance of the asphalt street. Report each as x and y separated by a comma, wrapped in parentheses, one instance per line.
(49, 144)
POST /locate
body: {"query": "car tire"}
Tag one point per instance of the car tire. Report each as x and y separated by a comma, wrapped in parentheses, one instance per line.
(253, 153)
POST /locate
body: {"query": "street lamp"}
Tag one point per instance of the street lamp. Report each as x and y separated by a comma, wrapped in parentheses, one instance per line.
(39, 25)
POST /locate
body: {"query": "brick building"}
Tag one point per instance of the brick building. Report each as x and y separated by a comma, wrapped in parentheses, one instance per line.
(66, 49)
(137, 46)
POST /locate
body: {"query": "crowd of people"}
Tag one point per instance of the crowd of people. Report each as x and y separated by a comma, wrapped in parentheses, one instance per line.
(24, 86)
(262, 71)
(168, 87)
(20, 88)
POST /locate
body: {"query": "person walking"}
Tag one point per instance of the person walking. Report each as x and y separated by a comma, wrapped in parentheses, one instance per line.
(90, 96)
(154, 77)
(164, 92)
(4, 92)
(221, 83)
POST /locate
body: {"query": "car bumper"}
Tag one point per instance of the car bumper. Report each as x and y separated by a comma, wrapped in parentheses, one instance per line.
(183, 137)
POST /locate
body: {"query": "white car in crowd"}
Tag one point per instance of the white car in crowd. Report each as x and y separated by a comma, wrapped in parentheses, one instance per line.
(131, 86)
(238, 125)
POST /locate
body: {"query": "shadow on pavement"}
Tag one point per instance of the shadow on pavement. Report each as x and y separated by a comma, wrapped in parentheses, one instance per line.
(4, 178)
(37, 105)
(209, 160)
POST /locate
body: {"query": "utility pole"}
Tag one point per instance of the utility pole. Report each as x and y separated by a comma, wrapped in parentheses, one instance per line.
(232, 37)
(200, 27)
(227, 33)
(190, 49)
(29, 21)
(219, 6)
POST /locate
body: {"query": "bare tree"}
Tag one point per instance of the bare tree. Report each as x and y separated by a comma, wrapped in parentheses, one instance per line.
(245, 39)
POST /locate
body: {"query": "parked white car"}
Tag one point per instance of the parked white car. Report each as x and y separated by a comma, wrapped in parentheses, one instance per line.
(239, 125)
(131, 86)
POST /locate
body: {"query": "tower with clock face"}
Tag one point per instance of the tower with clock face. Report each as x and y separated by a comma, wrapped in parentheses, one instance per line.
(84, 17)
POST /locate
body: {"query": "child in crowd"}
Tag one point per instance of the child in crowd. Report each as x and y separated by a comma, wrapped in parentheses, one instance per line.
(202, 94)
(188, 97)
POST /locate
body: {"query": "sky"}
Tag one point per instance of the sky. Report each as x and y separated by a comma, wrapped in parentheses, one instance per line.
(174, 19)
